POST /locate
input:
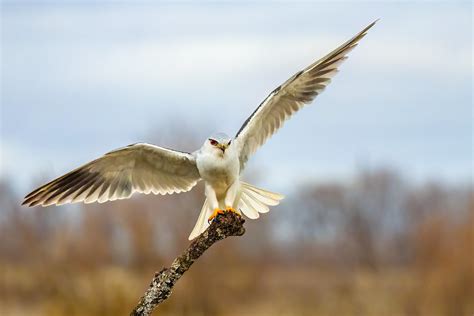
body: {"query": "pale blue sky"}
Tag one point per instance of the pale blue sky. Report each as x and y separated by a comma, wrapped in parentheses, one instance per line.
(80, 80)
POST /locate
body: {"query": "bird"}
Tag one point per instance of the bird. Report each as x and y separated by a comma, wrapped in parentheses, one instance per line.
(147, 168)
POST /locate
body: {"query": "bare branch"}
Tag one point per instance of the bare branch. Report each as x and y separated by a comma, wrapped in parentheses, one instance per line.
(225, 225)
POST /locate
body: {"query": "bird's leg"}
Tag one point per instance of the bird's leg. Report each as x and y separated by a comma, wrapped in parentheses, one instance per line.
(216, 212)
(230, 197)
(211, 196)
(233, 210)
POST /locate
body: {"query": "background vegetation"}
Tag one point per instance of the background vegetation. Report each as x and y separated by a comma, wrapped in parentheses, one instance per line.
(375, 245)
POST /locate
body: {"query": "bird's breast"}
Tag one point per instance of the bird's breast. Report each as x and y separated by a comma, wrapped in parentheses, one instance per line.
(218, 171)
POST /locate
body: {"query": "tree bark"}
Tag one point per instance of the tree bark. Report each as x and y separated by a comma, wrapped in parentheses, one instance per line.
(225, 225)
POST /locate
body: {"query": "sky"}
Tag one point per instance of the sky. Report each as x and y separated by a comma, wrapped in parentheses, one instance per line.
(78, 80)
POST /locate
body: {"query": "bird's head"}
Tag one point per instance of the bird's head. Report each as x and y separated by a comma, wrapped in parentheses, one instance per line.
(218, 143)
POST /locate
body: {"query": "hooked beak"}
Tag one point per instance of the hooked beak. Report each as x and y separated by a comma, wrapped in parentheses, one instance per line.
(222, 147)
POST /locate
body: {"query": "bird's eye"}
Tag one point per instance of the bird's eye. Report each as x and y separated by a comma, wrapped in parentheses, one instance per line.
(213, 142)
(228, 144)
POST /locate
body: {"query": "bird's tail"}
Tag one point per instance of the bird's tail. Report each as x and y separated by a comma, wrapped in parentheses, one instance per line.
(253, 200)
(250, 201)
(201, 223)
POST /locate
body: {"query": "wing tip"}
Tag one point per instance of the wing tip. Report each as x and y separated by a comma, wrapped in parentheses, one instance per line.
(29, 201)
(368, 27)
(374, 22)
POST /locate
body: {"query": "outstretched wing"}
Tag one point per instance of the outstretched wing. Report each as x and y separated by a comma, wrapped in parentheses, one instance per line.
(118, 174)
(291, 96)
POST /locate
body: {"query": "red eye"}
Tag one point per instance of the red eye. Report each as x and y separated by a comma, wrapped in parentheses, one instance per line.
(213, 142)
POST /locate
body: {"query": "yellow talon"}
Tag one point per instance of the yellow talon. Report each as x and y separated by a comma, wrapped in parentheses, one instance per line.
(214, 214)
(231, 209)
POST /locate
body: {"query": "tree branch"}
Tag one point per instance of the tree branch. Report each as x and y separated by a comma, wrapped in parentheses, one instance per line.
(225, 225)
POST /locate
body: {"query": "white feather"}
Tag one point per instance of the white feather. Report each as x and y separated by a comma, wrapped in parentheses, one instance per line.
(247, 208)
(201, 223)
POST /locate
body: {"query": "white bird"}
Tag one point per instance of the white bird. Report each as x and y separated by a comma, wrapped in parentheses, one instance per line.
(147, 168)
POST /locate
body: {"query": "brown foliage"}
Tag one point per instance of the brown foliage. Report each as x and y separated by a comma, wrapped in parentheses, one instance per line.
(374, 246)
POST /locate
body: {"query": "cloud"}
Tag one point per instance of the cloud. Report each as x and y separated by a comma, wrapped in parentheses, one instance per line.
(182, 46)
(188, 63)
